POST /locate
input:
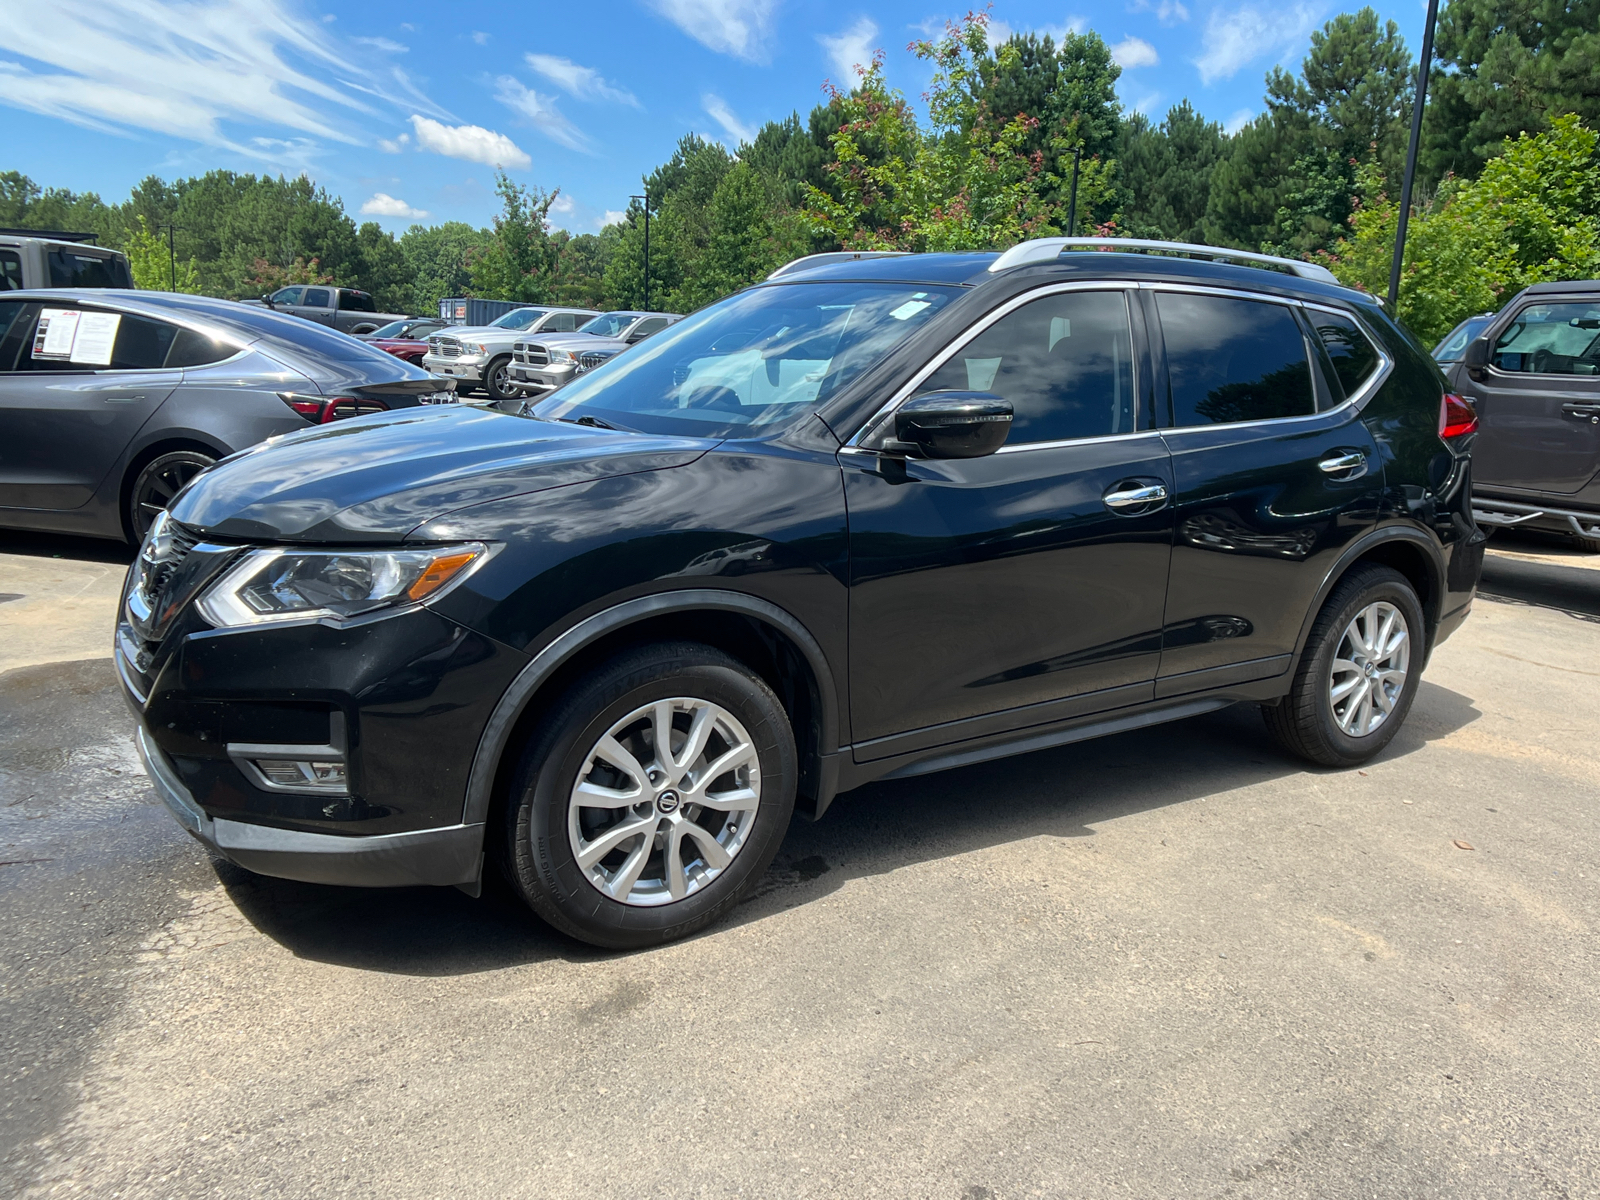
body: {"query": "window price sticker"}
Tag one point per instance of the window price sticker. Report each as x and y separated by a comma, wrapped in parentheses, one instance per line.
(70, 335)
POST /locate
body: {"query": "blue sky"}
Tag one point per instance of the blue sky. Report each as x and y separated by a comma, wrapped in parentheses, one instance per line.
(403, 109)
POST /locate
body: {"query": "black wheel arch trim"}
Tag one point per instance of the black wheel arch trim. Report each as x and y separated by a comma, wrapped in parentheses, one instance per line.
(514, 701)
(1432, 556)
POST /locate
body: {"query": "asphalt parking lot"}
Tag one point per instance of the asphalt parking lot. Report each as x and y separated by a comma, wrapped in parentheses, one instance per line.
(1172, 963)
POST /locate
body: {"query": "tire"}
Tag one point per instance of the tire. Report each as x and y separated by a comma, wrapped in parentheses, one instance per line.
(629, 897)
(1335, 731)
(497, 379)
(157, 482)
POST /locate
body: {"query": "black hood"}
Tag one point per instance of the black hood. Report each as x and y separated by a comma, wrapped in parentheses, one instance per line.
(377, 478)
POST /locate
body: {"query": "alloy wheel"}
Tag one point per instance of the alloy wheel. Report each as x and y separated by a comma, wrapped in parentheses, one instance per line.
(160, 481)
(1369, 668)
(664, 801)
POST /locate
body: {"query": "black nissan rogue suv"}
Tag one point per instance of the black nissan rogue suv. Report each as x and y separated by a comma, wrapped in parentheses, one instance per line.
(877, 516)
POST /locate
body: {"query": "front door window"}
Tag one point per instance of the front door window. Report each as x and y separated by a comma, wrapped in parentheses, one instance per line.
(1552, 339)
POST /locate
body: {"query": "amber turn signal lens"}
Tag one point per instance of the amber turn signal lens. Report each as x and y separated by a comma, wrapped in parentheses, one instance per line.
(440, 571)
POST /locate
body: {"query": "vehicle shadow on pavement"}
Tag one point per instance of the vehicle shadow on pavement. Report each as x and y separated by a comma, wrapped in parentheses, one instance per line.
(1066, 792)
(61, 545)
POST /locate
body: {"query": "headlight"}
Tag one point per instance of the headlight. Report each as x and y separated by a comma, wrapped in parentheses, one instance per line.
(293, 585)
(562, 356)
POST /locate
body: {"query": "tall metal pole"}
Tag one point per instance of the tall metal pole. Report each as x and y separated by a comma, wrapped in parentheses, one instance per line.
(1411, 154)
(645, 199)
(1072, 205)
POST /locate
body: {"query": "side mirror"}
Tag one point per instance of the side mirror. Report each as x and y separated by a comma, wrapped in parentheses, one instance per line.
(951, 425)
(266, 298)
(1476, 358)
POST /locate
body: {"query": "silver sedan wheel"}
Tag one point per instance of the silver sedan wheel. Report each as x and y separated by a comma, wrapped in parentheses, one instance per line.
(664, 801)
(1369, 668)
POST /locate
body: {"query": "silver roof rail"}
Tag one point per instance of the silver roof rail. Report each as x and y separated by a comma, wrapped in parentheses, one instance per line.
(1047, 249)
(836, 256)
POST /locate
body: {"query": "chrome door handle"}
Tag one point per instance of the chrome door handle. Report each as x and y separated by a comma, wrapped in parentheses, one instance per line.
(123, 399)
(1135, 497)
(1354, 461)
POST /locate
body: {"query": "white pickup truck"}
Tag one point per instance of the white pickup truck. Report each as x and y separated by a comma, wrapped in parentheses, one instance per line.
(480, 355)
(541, 364)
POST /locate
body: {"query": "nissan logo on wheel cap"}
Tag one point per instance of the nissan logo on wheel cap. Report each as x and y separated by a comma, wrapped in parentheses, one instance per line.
(667, 802)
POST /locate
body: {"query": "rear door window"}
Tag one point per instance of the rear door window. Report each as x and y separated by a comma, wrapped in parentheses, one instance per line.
(1552, 339)
(1064, 361)
(16, 327)
(564, 322)
(10, 271)
(85, 339)
(1231, 360)
(316, 298)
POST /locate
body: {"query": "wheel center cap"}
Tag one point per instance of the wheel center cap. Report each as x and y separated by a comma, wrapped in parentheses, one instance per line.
(667, 801)
(1370, 670)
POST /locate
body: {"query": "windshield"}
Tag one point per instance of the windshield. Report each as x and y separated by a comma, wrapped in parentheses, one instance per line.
(608, 324)
(751, 365)
(391, 330)
(1455, 342)
(519, 318)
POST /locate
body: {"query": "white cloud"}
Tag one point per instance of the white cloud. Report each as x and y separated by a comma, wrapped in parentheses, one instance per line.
(470, 143)
(741, 28)
(383, 43)
(718, 110)
(1238, 121)
(850, 49)
(1168, 12)
(1132, 52)
(384, 205)
(541, 113)
(563, 205)
(1147, 104)
(394, 145)
(184, 70)
(1234, 38)
(583, 82)
(610, 217)
(480, 37)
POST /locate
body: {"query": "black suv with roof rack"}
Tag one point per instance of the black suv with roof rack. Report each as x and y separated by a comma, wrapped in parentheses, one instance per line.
(874, 517)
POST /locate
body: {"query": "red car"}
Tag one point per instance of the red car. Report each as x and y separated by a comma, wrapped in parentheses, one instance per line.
(405, 339)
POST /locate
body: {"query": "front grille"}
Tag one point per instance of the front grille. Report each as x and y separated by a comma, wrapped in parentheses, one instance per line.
(174, 564)
(590, 359)
(445, 347)
(519, 352)
(538, 356)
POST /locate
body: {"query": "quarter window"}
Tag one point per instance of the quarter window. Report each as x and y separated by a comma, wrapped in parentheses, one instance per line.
(1064, 361)
(1552, 339)
(10, 271)
(1232, 360)
(1354, 356)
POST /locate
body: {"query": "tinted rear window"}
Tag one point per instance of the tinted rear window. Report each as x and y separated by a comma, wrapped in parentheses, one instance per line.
(1233, 360)
(1354, 356)
(78, 269)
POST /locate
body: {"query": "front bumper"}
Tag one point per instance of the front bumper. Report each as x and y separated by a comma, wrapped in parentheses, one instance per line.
(449, 857)
(541, 379)
(454, 368)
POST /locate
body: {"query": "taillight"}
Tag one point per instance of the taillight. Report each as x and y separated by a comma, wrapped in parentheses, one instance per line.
(340, 407)
(1457, 416)
(309, 407)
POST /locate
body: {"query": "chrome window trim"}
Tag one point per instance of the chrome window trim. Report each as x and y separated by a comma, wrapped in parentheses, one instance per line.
(1364, 393)
(871, 426)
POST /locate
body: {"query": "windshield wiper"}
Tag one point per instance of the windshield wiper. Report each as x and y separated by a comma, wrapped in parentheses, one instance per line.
(595, 423)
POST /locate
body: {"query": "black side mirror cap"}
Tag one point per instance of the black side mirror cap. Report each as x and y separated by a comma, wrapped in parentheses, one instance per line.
(951, 425)
(1477, 352)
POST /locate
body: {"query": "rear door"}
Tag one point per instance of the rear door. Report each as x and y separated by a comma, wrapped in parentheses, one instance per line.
(76, 385)
(317, 305)
(1539, 400)
(1274, 471)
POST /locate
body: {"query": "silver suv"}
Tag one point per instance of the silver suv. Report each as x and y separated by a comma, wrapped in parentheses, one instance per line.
(479, 355)
(543, 364)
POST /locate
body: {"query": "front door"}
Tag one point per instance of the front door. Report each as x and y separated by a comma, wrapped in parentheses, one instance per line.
(1275, 474)
(1539, 400)
(996, 593)
(70, 406)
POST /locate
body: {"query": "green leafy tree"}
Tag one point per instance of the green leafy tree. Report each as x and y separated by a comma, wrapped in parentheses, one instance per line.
(1166, 172)
(438, 262)
(154, 266)
(1507, 67)
(518, 262)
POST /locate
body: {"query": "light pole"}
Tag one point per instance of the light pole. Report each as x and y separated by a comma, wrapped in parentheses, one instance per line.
(172, 258)
(646, 200)
(1411, 155)
(1072, 205)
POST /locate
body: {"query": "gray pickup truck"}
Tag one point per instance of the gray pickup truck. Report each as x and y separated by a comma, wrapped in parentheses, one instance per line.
(51, 258)
(344, 309)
